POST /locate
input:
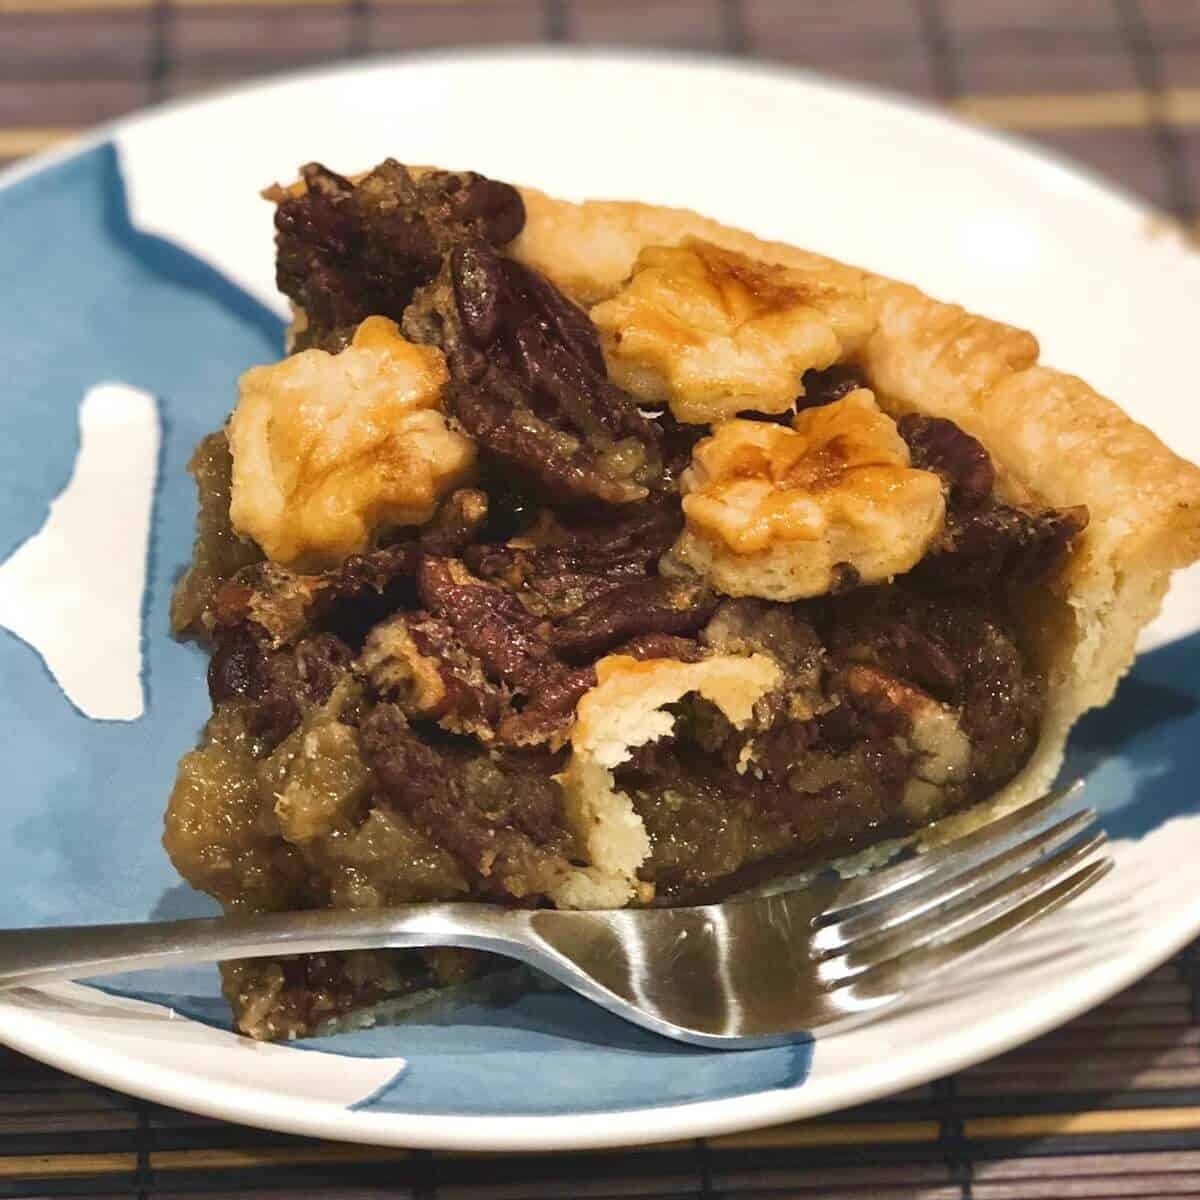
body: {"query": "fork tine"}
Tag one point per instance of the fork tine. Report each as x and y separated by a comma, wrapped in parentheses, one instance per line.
(979, 908)
(910, 971)
(943, 888)
(960, 854)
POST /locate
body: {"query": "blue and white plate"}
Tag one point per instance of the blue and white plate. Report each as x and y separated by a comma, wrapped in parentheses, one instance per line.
(135, 285)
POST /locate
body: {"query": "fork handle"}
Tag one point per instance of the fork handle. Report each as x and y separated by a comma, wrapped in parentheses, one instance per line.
(32, 956)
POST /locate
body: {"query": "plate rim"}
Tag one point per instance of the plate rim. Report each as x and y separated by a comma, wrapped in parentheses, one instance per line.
(265, 1109)
(39, 1037)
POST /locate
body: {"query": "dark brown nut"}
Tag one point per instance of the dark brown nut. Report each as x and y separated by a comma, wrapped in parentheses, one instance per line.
(346, 251)
(414, 777)
(500, 817)
(485, 207)
(651, 605)
(939, 445)
(529, 382)
(317, 237)
(497, 298)
(546, 718)
(491, 623)
(824, 387)
(900, 648)
(584, 556)
(233, 670)
(1056, 529)
(998, 544)
(564, 384)
(493, 409)
(374, 571)
(510, 643)
(478, 283)
(984, 675)
(520, 319)
(545, 588)
(609, 539)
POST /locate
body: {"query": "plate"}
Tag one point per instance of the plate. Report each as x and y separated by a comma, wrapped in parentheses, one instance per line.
(136, 279)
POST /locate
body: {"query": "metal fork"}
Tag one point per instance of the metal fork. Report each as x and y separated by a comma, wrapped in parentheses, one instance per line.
(737, 974)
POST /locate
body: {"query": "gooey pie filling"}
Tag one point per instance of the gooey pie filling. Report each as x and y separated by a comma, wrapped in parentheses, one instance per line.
(462, 506)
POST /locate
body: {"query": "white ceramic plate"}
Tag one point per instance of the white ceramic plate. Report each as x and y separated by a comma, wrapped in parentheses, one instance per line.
(142, 260)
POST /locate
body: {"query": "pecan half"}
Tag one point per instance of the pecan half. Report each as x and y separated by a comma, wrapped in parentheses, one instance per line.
(939, 445)
(577, 559)
(824, 387)
(346, 251)
(528, 380)
(998, 543)
(651, 605)
(500, 817)
(511, 646)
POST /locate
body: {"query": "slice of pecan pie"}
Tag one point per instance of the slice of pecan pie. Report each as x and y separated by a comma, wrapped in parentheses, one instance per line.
(592, 555)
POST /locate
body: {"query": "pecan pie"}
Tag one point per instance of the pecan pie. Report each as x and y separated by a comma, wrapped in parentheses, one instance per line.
(599, 554)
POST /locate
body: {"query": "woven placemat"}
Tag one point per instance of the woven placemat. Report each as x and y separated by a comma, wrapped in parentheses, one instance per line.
(1114, 84)
(1109, 1106)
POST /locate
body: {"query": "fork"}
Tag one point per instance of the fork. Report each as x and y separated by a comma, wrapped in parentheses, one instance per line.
(738, 974)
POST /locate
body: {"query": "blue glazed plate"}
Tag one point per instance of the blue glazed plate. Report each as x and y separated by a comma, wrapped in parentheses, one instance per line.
(136, 279)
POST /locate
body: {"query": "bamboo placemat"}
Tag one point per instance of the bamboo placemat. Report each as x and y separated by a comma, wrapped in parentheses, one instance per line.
(1108, 1106)
(1114, 84)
